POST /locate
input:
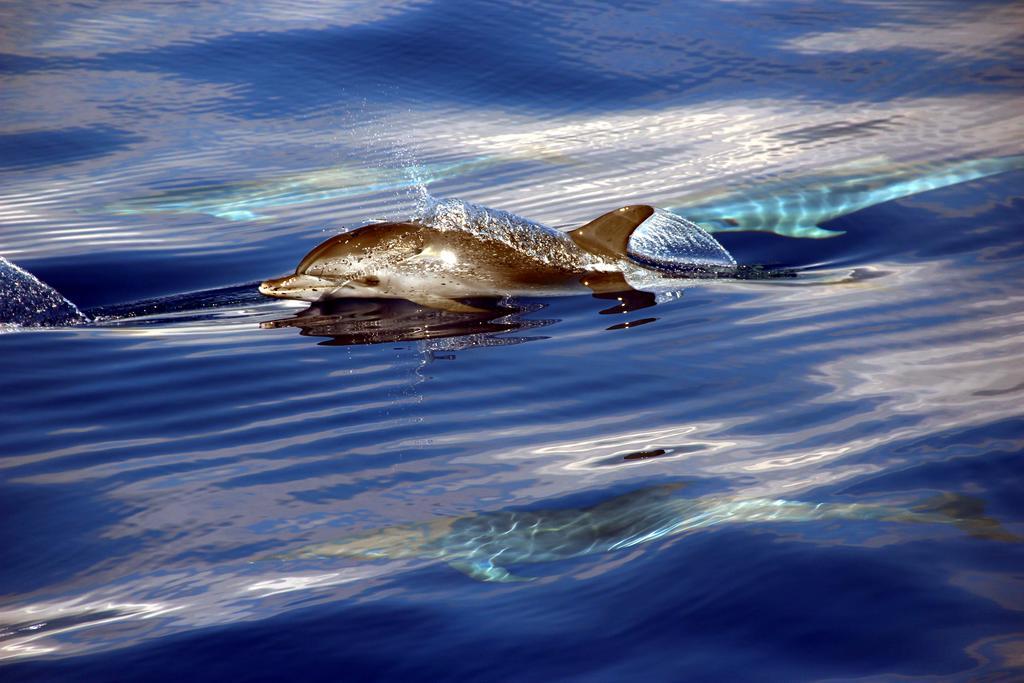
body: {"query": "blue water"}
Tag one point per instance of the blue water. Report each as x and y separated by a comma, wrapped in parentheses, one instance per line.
(185, 482)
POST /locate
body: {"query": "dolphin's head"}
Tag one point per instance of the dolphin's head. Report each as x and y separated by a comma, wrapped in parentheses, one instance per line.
(353, 264)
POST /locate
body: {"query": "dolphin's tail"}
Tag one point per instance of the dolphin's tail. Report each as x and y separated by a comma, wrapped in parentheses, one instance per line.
(968, 514)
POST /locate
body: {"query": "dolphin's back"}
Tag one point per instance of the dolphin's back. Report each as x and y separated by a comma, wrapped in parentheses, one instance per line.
(509, 537)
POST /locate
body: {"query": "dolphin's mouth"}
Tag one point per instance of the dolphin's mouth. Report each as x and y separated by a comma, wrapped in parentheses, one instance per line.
(300, 286)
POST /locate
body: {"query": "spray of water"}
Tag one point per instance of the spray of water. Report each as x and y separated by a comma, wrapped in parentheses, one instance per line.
(26, 301)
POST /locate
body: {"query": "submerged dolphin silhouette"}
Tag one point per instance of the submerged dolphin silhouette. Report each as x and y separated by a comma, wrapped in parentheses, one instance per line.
(483, 545)
(459, 250)
(798, 209)
(246, 201)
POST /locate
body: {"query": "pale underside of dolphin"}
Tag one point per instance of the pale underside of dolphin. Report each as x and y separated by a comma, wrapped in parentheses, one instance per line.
(485, 545)
(458, 250)
(799, 208)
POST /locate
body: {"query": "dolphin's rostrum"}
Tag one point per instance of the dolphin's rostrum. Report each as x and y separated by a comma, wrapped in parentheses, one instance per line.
(458, 250)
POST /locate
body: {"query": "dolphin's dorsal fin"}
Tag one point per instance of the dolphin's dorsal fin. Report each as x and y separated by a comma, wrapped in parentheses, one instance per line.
(608, 235)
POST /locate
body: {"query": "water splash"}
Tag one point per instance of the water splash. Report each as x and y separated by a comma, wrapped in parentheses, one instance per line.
(26, 301)
(539, 241)
(667, 242)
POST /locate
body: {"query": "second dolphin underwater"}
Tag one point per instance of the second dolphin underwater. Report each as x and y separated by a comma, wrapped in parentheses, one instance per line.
(798, 209)
(458, 250)
(484, 545)
(244, 201)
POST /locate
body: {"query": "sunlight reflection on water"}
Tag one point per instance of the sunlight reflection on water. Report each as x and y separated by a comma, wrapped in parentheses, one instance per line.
(153, 464)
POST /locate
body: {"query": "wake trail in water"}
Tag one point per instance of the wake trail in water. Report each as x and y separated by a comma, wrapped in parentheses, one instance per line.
(27, 302)
(219, 298)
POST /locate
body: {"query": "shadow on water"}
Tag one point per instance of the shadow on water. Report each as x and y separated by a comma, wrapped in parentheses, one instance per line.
(347, 322)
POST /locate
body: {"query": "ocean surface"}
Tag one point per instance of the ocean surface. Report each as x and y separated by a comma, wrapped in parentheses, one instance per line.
(814, 477)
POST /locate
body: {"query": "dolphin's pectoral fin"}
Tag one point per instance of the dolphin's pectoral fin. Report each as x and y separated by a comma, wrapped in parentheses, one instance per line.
(613, 287)
(811, 231)
(608, 235)
(443, 303)
(487, 571)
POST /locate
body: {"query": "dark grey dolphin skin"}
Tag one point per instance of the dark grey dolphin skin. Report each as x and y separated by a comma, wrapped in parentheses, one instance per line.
(466, 251)
(483, 545)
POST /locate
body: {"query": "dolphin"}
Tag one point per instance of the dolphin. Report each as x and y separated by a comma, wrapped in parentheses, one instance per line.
(458, 250)
(798, 209)
(483, 545)
(246, 201)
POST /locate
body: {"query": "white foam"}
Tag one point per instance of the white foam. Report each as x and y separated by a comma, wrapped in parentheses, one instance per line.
(26, 301)
(529, 237)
